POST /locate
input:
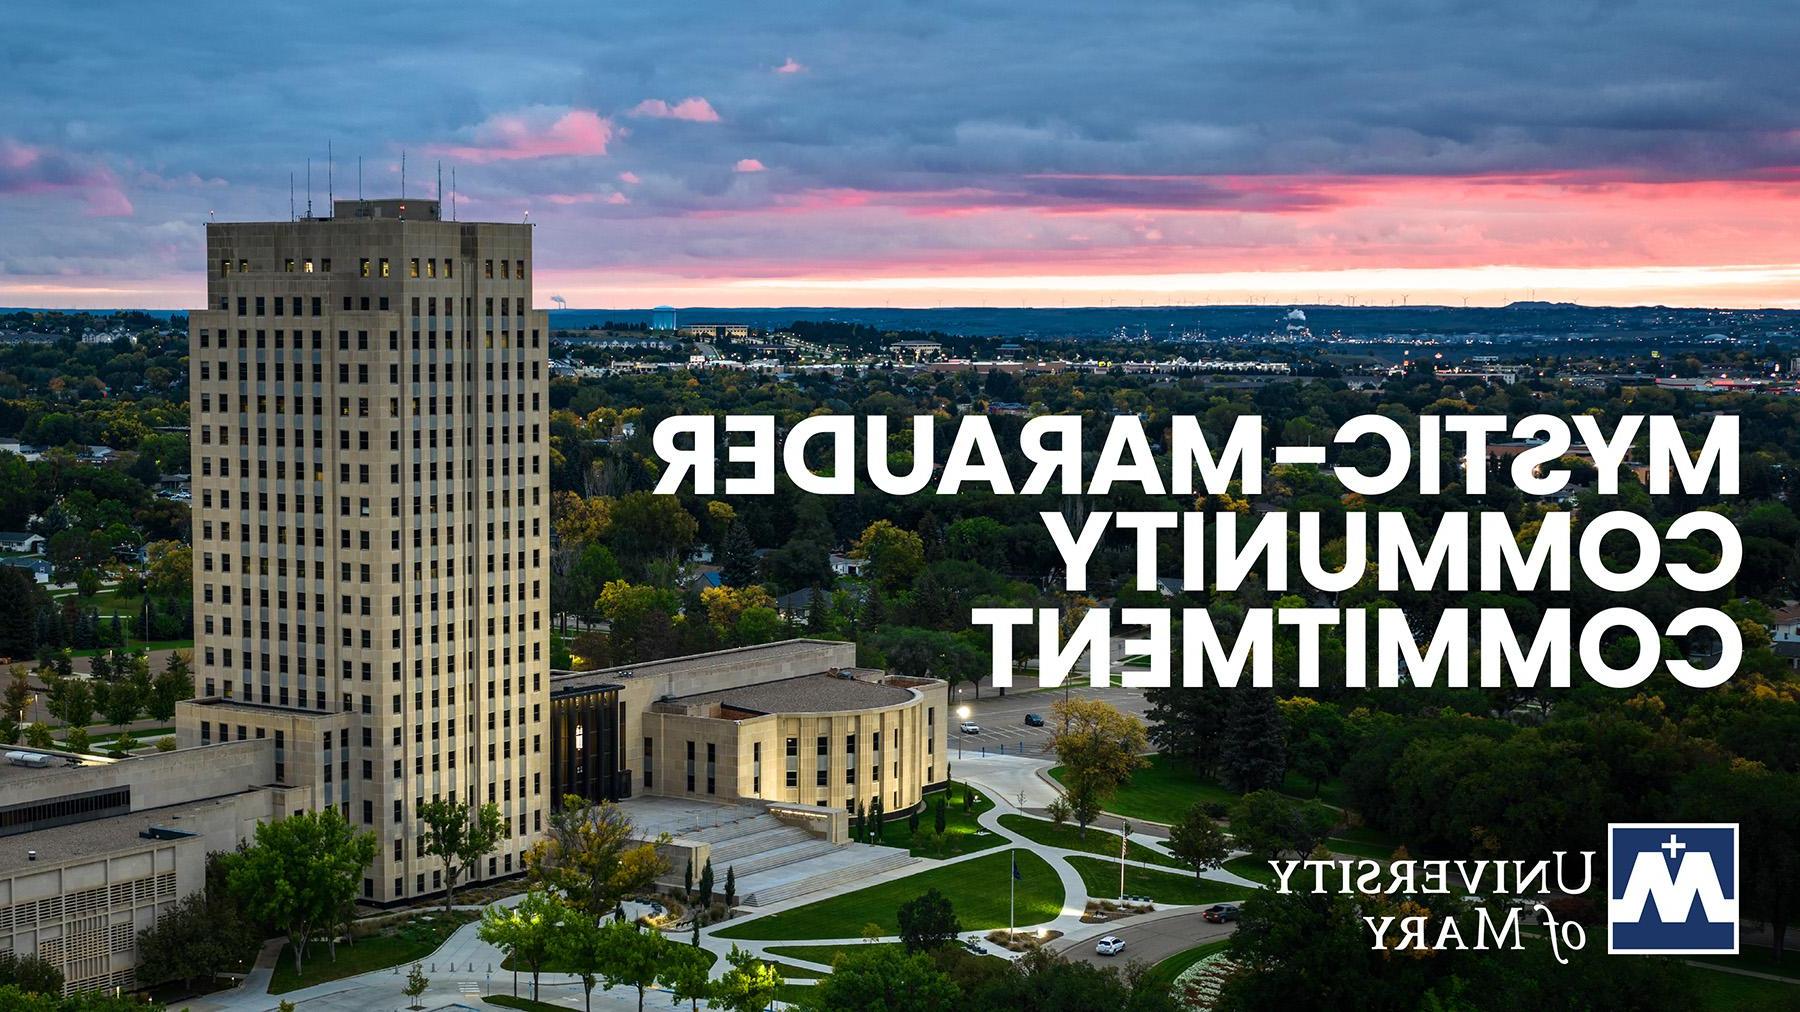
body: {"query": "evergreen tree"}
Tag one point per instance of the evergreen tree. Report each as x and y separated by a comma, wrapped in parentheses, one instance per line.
(706, 884)
(730, 886)
(1253, 746)
(737, 559)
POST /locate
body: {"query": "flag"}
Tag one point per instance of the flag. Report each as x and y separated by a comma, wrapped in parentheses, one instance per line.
(1015, 867)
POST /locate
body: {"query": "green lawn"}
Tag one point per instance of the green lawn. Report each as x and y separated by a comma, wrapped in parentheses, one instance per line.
(793, 994)
(976, 887)
(1099, 840)
(134, 643)
(1164, 790)
(1731, 992)
(399, 945)
(1358, 848)
(962, 834)
(1760, 959)
(1253, 868)
(1166, 971)
(1102, 880)
(797, 972)
(508, 1001)
(1161, 792)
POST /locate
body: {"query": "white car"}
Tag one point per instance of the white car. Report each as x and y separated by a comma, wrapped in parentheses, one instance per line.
(1111, 945)
(970, 727)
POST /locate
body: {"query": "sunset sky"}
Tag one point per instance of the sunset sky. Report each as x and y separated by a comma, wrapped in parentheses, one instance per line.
(1022, 153)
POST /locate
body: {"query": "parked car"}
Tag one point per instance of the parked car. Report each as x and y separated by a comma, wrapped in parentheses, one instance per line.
(1111, 945)
(970, 727)
(1034, 720)
(1219, 913)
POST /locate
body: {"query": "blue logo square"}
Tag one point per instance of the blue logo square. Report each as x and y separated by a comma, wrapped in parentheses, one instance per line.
(1672, 888)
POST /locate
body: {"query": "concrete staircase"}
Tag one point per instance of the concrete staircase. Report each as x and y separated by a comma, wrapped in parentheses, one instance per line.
(775, 861)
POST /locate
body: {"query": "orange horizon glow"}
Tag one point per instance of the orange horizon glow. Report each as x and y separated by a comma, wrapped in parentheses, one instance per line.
(1371, 240)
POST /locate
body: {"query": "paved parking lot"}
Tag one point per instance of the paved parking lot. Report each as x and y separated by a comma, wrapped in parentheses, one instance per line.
(1002, 718)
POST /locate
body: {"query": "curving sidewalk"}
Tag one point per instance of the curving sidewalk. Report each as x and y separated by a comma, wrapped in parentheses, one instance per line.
(465, 968)
(1068, 920)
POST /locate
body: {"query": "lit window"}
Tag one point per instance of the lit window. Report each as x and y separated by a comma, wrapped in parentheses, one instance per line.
(365, 267)
(413, 268)
(384, 267)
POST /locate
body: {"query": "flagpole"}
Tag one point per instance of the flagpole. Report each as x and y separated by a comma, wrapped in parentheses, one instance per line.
(1012, 889)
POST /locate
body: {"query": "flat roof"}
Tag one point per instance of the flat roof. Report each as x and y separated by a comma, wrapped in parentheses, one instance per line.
(60, 762)
(99, 837)
(820, 693)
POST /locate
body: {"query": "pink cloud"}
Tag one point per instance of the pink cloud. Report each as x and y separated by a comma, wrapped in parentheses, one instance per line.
(513, 137)
(792, 66)
(628, 177)
(693, 110)
(31, 170)
(748, 165)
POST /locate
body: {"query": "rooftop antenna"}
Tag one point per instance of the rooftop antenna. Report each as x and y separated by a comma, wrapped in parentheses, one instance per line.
(309, 188)
(402, 175)
(290, 196)
(359, 178)
(440, 188)
(452, 193)
(330, 191)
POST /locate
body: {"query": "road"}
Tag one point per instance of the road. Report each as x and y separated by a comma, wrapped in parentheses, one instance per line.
(1149, 941)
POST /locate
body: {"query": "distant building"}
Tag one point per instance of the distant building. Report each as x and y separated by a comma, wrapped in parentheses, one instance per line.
(845, 565)
(19, 541)
(39, 568)
(1785, 625)
(662, 318)
(916, 350)
(716, 330)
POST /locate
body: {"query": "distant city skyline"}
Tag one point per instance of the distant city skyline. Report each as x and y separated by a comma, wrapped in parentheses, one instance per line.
(1029, 155)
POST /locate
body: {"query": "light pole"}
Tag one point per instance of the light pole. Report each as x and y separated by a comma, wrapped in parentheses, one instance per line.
(1124, 841)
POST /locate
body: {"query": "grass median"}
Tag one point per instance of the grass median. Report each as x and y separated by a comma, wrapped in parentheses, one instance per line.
(977, 888)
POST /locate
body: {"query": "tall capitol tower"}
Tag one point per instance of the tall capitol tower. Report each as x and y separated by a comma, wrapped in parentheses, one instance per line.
(370, 520)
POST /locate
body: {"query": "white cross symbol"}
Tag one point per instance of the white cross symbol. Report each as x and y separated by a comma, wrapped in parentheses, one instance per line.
(1674, 847)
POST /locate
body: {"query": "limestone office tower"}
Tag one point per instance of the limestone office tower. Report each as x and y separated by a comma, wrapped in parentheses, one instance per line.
(370, 519)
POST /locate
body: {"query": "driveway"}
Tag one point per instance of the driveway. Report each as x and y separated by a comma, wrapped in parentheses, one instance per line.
(1149, 940)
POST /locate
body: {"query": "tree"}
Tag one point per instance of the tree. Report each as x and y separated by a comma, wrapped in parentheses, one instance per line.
(300, 872)
(1198, 841)
(1269, 824)
(416, 983)
(37, 735)
(1766, 805)
(459, 837)
(630, 956)
(895, 555)
(749, 986)
(526, 932)
(928, 922)
(587, 855)
(730, 885)
(579, 947)
(32, 974)
(939, 817)
(1099, 748)
(120, 701)
(686, 971)
(1252, 746)
(17, 698)
(879, 978)
(737, 558)
(174, 683)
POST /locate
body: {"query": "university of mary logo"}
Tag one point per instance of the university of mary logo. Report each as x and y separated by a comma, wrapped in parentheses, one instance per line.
(1672, 888)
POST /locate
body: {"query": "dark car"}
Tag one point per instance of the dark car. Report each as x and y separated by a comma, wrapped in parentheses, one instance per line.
(1034, 720)
(1219, 913)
